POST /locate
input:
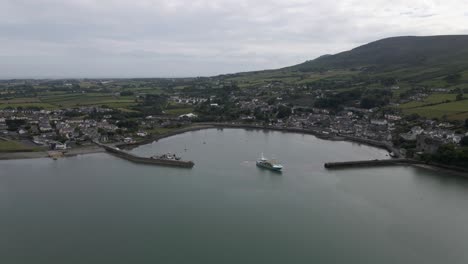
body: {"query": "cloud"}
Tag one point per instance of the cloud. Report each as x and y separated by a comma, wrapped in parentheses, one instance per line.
(148, 38)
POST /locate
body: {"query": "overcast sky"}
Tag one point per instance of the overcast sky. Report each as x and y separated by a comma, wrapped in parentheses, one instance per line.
(155, 38)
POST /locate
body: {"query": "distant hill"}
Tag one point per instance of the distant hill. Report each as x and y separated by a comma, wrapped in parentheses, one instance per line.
(430, 62)
(390, 53)
(405, 64)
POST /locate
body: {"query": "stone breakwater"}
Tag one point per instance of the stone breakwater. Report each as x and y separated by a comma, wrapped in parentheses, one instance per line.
(369, 163)
(142, 160)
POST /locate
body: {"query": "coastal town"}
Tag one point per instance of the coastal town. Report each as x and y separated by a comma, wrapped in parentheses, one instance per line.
(273, 106)
(207, 132)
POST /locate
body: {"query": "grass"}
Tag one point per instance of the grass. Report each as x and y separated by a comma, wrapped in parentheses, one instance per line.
(161, 130)
(431, 99)
(15, 146)
(89, 99)
(246, 80)
(457, 110)
(453, 110)
(126, 110)
(20, 100)
(25, 105)
(55, 100)
(179, 111)
(50, 100)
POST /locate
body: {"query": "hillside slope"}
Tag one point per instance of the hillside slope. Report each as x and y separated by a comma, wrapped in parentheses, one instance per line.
(395, 52)
(413, 60)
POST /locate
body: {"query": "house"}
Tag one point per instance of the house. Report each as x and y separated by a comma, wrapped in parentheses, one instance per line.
(22, 132)
(129, 140)
(189, 116)
(142, 134)
(427, 144)
(60, 146)
(392, 117)
(44, 126)
(412, 134)
(379, 122)
(3, 126)
(55, 145)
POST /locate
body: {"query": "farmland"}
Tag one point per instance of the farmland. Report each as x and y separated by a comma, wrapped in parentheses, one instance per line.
(51, 101)
(457, 110)
(179, 111)
(437, 98)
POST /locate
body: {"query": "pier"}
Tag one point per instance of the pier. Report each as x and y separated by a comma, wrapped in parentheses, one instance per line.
(143, 160)
(369, 163)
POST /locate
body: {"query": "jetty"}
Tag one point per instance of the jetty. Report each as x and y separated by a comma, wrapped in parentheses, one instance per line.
(370, 163)
(143, 160)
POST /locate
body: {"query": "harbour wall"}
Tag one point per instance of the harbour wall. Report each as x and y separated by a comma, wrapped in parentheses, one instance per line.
(369, 163)
(142, 160)
(461, 171)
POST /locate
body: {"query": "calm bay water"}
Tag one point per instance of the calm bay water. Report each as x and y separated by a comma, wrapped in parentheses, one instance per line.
(100, 209)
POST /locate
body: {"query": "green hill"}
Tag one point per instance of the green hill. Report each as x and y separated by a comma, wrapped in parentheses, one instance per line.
(424, 61)
(397, 52)
(411, 63)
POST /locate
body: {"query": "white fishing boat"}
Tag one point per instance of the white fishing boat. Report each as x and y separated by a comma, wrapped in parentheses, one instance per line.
(269, 164)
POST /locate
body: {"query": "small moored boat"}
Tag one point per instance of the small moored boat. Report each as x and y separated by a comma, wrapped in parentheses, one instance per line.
(167, 156)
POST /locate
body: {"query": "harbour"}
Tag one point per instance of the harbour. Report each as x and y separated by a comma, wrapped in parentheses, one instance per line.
(227, 210)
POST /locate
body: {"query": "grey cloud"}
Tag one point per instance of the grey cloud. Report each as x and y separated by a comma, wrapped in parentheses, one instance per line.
(123, 38)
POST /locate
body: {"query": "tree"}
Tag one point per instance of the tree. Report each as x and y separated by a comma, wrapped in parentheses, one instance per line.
(453, 78)
(126, 93)
(271, 100)
(459, 97)
(388, 81)
(284, 111)
(446, 154)
(129, 124)
(14, 124)
(464, 141)
(466, 123)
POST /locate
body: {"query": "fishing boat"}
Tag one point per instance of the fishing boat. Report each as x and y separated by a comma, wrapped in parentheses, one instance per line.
(269, 164)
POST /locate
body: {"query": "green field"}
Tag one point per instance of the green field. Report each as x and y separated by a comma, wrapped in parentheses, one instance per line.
(179, 111)
(20, 100)
(55, 100)
(15, 146)
(252, 79)
(438, 106)
(457, 110)
(431, 99)
(26, 105)
(160, 130)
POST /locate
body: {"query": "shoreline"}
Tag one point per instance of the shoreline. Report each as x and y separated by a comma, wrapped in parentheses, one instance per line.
(200, 126)
(91, 149)
(165, 135)
(377, 144)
